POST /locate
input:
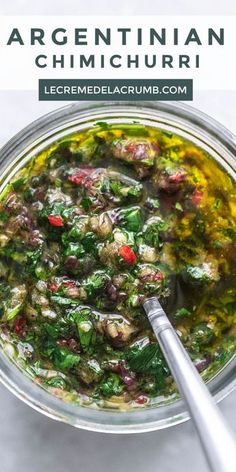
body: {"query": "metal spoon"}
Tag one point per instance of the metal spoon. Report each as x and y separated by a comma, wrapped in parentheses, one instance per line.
(216, 439)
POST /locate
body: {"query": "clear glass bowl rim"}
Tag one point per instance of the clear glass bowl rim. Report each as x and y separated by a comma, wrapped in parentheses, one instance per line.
(177, 115)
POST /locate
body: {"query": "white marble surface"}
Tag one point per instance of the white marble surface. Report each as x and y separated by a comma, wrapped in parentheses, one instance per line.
(29, 441)
(113, 7)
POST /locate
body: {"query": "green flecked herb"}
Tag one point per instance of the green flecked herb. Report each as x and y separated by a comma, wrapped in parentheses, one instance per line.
(57, 382)
(86, 203)
(3, 216)
(17, 184)
(74, 249)
(95, 282)
(112, 385)
(85, 328)
(12, 312)
(182, 313)
(131, 218)
(148, 359)
(64, 359)
(178, 206)
(103, 124)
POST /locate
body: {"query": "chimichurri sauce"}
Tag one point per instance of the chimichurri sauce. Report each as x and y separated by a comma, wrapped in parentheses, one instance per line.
(88, 229)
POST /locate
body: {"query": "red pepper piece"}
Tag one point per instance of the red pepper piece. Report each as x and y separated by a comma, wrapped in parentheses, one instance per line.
(55, 220)
(19, 325)
(127, 254)
(80, 175)
(196, 197)
(53, 287)
(141, 400)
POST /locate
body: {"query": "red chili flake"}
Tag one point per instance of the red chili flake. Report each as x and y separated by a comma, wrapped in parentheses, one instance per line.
(55, 220)
(19, 325)
(196, 197)
(128, 254)
(52, 286)
(158, 276)
(141, 400)
(79, 177)
(69, 283)
(178, 177)
(131, 147)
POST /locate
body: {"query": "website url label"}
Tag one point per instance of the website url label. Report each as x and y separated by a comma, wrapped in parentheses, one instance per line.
(71, 89)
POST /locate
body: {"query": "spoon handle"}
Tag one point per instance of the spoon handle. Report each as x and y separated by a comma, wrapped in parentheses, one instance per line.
(216, 439)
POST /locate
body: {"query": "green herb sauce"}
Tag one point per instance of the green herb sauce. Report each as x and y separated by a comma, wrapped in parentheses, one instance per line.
(89, 229)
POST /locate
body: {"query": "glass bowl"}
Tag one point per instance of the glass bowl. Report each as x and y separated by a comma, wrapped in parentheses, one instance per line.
(176, 117)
